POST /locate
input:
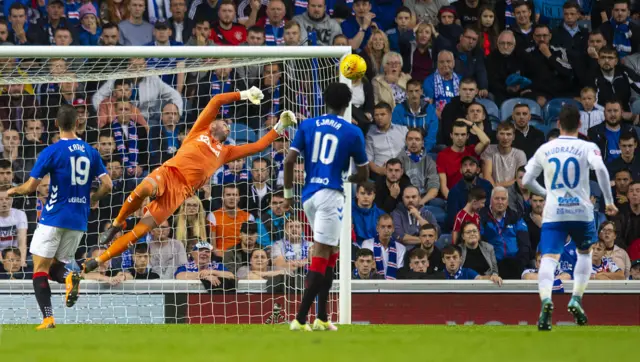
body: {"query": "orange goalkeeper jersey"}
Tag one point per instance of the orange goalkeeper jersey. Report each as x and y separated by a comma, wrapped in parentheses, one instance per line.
(201, 155)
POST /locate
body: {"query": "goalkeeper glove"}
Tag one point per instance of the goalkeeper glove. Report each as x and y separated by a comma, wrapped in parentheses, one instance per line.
(287, 119)
(253, 95)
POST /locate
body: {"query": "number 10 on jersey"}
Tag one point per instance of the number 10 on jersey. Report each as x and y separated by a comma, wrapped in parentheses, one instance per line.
(324, 148)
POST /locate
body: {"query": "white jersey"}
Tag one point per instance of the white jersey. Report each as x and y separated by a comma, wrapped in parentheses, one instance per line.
(566, 162)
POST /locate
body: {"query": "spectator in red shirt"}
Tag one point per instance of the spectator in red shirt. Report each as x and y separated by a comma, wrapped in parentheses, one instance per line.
(448, 162)
(225, 31)
(477, 199)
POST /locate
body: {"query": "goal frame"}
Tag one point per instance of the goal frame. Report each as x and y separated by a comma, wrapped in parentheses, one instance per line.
(265, 52)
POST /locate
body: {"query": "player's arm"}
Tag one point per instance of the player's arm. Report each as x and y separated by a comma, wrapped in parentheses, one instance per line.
(210, 112)
(602, 175)
(287, 119)
(26, 188)
(532, 171)
(106, 185)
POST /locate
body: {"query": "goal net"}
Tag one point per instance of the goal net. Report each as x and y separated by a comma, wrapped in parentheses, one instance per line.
(135, 105)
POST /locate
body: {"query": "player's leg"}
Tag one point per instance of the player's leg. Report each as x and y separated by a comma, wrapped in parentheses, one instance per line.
(147, 188)
(322, 319)
(64, 269)
(552, 239)
(315, 280)
(584, 236)
(44, 244)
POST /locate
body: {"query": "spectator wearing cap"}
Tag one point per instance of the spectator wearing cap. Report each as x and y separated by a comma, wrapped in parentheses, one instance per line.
(447, 27)
(202, 267)
(459, 193)
(55, 19)
(135, 30)
(634, 272)
(358, 28)
(321, 28)
(426, 12)
(162, 37)
(226, 31)
(180, 24)
(90, 30)
(141, 269)
(21, 31)
(86, 127)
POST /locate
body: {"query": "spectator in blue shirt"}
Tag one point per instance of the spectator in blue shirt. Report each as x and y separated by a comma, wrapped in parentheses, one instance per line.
(507, 233)
(21, 31)
(454, 270)
(90, 30)
(201, 267)
(415, 112)
(357, 28)
(385, 11)
(402, 33)
(365, 212)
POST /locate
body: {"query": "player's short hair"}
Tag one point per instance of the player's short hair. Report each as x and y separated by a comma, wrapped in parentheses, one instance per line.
(11, 249)
(5, 163)
(383, 105)
(418, 253)
(249, 228)
(337, 96)
(415, 129)
(368, 186)
(67, 117)
(506, 126)
(363, 253)
(450, 250)
(571, 5)
(141, 248)
(393, 161)
(569, 118)
(384, 217)
(587, 90)
(403, 9)
(459, 124)
(477, 193)
(110, 26)
(625, 136)
(261, 159)
(428, 227)
(414, 82)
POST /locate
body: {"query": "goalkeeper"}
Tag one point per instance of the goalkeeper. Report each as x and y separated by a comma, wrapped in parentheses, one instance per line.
(201, 154)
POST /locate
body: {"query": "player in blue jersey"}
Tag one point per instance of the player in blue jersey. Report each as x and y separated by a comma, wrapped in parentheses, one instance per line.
(72, 165)
(327, 144)
(568, 211)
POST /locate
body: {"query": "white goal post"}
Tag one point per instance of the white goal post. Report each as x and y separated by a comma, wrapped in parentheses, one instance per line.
(33, 66)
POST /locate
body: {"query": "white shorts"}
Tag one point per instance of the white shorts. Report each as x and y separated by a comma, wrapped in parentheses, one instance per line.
(51, 241)
(324, 212)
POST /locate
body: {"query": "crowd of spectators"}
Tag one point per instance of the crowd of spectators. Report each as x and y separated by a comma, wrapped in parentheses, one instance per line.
(446, 140)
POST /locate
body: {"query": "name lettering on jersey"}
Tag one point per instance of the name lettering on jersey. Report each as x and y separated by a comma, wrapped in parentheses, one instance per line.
(319, 180)
(76, 147)
(207, 140)
(77, 200)
(564, 149)
(328, 122)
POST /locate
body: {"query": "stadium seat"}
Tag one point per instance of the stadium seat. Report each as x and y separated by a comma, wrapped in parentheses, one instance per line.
(495, 121)
(242, 134)
(545, 128)
(507, 107)
(553, 107)
(490, 106)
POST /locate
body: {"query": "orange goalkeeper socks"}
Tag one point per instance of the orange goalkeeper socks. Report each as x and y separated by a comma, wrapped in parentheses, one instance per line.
(134, 201)
(122, 243)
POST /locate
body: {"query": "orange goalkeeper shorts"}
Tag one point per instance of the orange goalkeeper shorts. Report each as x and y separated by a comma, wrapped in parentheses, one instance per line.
(171, 193)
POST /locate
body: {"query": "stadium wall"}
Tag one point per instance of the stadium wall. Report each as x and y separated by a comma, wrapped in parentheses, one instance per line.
(373, 302)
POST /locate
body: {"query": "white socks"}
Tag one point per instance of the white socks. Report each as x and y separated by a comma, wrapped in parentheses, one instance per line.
(546, 274)
(581, 274)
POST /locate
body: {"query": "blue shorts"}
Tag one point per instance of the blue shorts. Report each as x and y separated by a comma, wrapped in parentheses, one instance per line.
(553, 236)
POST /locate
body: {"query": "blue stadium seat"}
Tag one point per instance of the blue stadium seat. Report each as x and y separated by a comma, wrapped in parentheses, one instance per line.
(507, 107)
(490, 106)
(242, 134)
(495, 121)
(545, 128)
(553, 107)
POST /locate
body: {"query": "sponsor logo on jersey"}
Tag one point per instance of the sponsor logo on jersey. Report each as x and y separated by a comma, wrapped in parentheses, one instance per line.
(567, 200)
(78, 200)
(205, 139)
(320, 180)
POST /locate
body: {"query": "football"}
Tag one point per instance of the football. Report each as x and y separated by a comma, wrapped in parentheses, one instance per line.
(353, 67)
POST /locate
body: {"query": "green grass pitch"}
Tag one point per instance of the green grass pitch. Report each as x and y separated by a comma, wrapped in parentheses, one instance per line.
(262, 343)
